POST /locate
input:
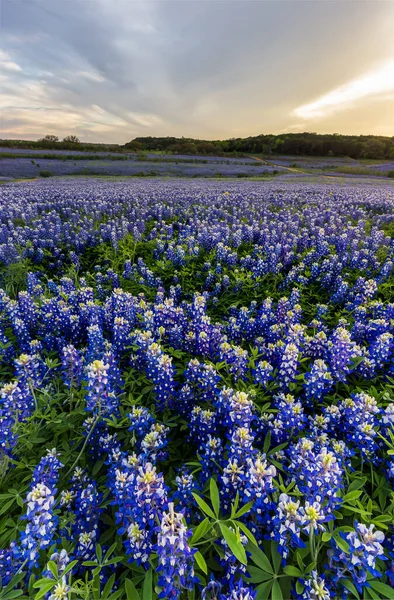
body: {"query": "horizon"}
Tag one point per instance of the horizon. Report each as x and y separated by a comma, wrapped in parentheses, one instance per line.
(195, 69)
(186, 137)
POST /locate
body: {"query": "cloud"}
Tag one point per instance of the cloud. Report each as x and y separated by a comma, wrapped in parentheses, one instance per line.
(378, 82)
(202, 69)
(6, 64)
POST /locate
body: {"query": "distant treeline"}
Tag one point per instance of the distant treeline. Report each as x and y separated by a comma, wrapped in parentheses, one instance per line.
(52, 145)
(303, 144)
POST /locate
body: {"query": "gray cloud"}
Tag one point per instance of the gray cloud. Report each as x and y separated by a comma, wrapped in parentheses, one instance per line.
(108, 69)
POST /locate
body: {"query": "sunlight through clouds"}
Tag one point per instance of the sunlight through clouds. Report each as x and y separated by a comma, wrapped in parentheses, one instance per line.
(378, 82)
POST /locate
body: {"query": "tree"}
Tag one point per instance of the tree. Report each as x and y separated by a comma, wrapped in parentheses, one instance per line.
(72, 139)
(49, 138)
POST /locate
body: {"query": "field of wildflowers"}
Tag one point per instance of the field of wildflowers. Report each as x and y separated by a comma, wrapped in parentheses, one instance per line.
(197, 390)
(17, 163)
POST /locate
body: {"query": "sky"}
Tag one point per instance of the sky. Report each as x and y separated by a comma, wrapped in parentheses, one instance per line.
(112, 70)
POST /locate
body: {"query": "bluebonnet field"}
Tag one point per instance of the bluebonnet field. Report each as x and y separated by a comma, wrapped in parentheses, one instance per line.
(18, 163)
(211, 368)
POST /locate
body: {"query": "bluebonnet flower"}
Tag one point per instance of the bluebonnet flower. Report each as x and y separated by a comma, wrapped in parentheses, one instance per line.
(381, 349)
(185, 484)
(315, 588)
(288, 523)
(288, 368)
(176, 558)
(342, 350)
(96, 342)
(257, 488)
(41, 520)
(141, 496)
(240, 591)
(210, 452)
(317, 472)
(212, 590)
(101, 398)
(290, 418)
(161, 372)
(235, 408)
(241, 443)
(263, 373)
(16, 404)
(360, 422)
(141, 420)
(232, 481)
(153, 443)
(72, 366)
(202, 423)
(318, 381)
(365, 546)
(30, 369)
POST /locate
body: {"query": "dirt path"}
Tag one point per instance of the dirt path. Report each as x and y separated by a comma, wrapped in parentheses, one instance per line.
(270, 164)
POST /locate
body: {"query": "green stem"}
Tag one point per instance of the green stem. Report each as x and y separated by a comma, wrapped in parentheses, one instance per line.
(85, 443)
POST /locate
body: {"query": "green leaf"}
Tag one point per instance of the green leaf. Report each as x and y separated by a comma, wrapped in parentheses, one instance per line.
(200, 530)
(263, 590)
(276, 557)
(243, 510)
(383, 518)
(234, 506)
(96, 584)
(45, 588)
(200, 560)
(97, 466)
(52, 566)
(350, 586)
(299, 587)
(41, 582)
(234, 543)
(204, 506)
(267, 442)
(259, 558)
(130, 589)
(292, 571)
(246, 531)
(147, 587)
(99, 553)
(257, 575)
(276, 591)
(214, 494)
(6, 506)
(13, 594)
(355, 361)
(326, 536)
(115, 595)
(356, 484)
(350, 496)
(365, 513)
(70, 566)
(14, 582)
(108, 587)
(372, 593)
(342, 543)
(381, 588)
